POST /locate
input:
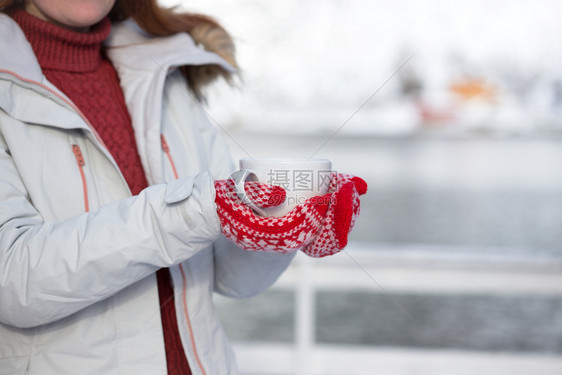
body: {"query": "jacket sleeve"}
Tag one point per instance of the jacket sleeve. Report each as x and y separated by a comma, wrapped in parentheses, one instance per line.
(241, 274)
(49, 270)
(238, 273)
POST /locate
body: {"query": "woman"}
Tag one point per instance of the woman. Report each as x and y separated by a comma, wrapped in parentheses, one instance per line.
(110, 228)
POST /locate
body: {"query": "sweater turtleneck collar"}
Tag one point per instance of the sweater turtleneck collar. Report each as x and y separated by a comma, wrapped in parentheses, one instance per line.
(62, 49)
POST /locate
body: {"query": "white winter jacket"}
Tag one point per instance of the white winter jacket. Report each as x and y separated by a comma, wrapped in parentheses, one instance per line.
(78, 254)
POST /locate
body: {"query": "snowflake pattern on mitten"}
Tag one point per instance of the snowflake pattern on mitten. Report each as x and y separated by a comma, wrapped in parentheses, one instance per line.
(319, 227)
(251, 232)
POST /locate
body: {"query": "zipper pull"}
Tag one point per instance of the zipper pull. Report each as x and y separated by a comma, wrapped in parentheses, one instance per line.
(79, 158)
(165, 146)
(166, 150)
(81, 163)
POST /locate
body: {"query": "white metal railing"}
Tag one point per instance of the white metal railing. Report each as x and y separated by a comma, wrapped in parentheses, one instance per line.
(305, 316)
(396, 273)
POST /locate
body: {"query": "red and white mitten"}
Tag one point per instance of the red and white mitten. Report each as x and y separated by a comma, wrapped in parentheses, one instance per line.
(343, 195)
(251, 232)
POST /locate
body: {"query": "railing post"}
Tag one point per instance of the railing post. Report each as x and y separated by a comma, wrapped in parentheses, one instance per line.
(305, 315)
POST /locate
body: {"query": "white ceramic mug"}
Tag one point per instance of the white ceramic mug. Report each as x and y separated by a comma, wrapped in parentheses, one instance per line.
(301, 178)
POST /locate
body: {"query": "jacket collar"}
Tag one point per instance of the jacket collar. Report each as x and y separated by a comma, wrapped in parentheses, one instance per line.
(21, 78)
(16, 54)
(127, 41)
(129, 47)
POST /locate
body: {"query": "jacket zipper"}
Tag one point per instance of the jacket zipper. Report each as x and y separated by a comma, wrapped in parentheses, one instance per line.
(188, 321)
(166, 149)
(81, 163)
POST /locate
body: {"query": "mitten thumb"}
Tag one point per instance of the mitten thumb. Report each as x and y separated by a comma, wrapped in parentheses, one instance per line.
(343, 204)
(360, 185)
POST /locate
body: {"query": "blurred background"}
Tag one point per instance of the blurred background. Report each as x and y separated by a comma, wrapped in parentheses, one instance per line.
(452, 112)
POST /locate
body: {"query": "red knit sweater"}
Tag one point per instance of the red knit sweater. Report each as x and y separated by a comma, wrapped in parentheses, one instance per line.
(74, 62)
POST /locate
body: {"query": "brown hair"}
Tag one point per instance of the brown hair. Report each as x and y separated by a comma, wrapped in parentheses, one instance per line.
(160, 21)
